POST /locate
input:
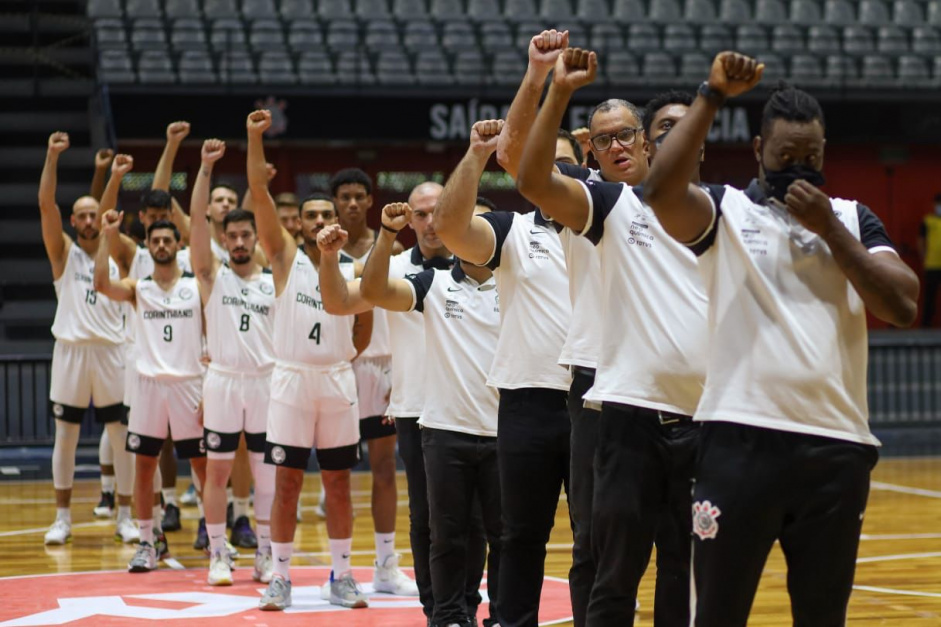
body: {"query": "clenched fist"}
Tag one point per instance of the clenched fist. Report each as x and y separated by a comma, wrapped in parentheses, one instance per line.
(270, 171)
(177, 131)
(484, 136)
(733, 74)
(213, 149)
(332, 239)
(103, 158)
(122, 164)
(575, 68)
(111, 221)
(258, 121)
(58, 142)
(546, 47)
(396, 215)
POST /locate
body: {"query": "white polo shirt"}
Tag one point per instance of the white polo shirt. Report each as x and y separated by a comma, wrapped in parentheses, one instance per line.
(788, 328)
(379, 343)
(407, 339)
(535, 312)
(462, 324)
(653, 306)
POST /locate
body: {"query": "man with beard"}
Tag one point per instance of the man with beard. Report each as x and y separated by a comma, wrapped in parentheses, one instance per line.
(238, 300)
(313, 391)
(88, 360)
(168, 320)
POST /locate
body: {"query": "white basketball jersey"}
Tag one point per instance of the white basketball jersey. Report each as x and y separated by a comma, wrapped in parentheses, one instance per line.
(304, 333)
(240, 321)
(142, 266)
(218, 250)
(169, 329)
(379, 343)
(84, 315)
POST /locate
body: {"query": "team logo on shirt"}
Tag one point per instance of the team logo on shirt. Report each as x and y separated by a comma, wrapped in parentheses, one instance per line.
(704, 519)
(186, 293)
(244, 291)
(267, 289)
(278, 455)
(58, 410)
(133, 441)
(213, 440)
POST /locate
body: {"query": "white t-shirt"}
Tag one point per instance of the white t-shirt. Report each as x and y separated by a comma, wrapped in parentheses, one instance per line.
(304, 333)
(535, 312)
(787, 327)
(379, 343)
(653, 306)
(462, 324)
(169, 329)
(82, 314)
(240, 322)
(407, 339)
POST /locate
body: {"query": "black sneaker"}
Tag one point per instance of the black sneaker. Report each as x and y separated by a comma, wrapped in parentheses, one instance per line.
(229, 517)
(171, 518)
(202, 537)
(242, 534)
(161, 546)
(105, 507)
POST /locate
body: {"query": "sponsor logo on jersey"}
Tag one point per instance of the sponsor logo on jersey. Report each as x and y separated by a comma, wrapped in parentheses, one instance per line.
(704, 519)
(213, 440)
(278, 455)
(133, 441)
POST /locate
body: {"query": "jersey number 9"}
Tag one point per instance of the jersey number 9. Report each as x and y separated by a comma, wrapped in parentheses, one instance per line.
(168, 333)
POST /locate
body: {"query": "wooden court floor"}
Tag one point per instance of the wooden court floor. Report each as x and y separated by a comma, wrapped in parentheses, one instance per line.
(898, 578)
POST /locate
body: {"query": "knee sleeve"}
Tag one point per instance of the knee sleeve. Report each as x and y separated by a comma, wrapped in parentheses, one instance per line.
(63, 454)
(123, 461)
(264, 485)
(105, 454)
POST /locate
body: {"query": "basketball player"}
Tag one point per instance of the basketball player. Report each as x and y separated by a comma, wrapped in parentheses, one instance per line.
(168, 323)
(87, 360)
(313, 391)
(786, 451)
(352, 195)
(238, 300)
(526, 255)
(289, 213)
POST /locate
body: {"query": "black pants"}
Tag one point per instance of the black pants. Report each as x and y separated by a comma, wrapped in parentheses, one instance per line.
(410, 449)
(460, 469)
(533, 448)
(932, 282)
(755, 486)
(643, 476)
(583, 440)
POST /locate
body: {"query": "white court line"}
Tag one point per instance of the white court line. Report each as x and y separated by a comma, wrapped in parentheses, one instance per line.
(900, 536)
(901, 556)
(913, 593)
(25, 532)
(48, 501)
(891, 487)
(172, 563)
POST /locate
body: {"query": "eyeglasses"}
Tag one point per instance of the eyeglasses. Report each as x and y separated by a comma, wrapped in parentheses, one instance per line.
(625, 137)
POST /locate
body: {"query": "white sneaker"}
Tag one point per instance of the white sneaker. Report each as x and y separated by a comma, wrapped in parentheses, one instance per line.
(390, 579)
(189, 496)
(59, 533)
(344, 592)
(126, 531)
(264, 566)
(220, 571)
(144, 560)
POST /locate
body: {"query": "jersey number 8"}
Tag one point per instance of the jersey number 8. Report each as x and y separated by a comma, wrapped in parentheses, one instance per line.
(245, 323)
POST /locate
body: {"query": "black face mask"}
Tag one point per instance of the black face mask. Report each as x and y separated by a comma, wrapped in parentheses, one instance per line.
(778, 181)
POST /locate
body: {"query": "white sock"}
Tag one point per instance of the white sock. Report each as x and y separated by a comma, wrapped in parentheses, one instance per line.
(124, 511)
(169, 496)
(199, 507)
(239, 508)
(340, 551)
(107, 483)
(385, 546)
(146, 531)
(216, 536)
(281, 556)
(264, 536)
(64, 514)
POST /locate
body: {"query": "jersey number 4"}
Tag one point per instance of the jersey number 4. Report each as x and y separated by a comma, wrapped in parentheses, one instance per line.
(315, 333)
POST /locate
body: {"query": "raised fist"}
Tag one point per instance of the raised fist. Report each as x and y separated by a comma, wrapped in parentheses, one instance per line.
(583, 136)
(733, 74)
(546, 47)
(122, 164)
(258, 121)
(484, 136)
(111, 221)
(270, 171)
(177, 131)
(213, 149)
(332, 239)
(575, 68)
(103, 158)
(58, 142)
(396, 215)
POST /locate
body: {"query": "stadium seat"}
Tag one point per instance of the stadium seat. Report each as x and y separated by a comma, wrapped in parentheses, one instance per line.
(147, 34)
(155, 67)
(372, 9)
(353, 67)
(806, 12)
(787, 39)
(508, 67)
(665, 11)
(926, 41)
(142, 8)
(659, 66)
(700, 11)
(394, 68)
(629, 11)
(496, 36)
(907, 13)
(877, 71)
(188, 34)
(431, 68)
(115, 66)
(266, 35)
(839, 13)
(181, 9)
(643, 38)
(934, 13)
(841, 68)
(409, 9)
(110, 35)
(805, 69)
(892, 40)
(734, 12)
(913, 71)
(694, 66)
(593, 11)
(823, 40)
(227, 34)
(343, 35)
(857, 41)
(770, 12)
(469, 68)
(525, 30)
(557, 10)
(214, 9)
(304, 35)
(334, 9)
(751, 39)
(296, 9)
(518, 10)
(104, 8)
(237, 67)
(679, 38)
(315, 68)
(937, 68)
(276, 68)
(458, 36)
(714, 38)
(874, 13)
(606, 37)
(259, 9)
(622, 69)
(196, 67)
(382, 35)
(484, 10)
(448, 9)
(420, 35)
(775, 68)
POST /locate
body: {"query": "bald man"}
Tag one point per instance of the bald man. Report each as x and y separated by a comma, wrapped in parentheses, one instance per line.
(88, 359)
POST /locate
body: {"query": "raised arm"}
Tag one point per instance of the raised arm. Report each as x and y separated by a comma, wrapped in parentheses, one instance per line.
(277, 243)
(176, 133)
(377, 286)
(247, 202)
(544, 49)
(53, 237)
(561, 197)
(123, 289)
(122, 247)
(204, 262)
(684, 210)
(340, 297)
(465, 235)
(102, 163)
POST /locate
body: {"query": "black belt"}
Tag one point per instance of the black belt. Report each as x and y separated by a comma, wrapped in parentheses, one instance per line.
(663, 417)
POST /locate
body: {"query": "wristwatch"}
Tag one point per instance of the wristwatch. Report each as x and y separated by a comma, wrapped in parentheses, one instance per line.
(714, 96)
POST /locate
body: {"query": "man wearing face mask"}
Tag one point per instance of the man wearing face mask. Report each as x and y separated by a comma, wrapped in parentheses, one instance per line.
(929, 249)
(785, 447)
